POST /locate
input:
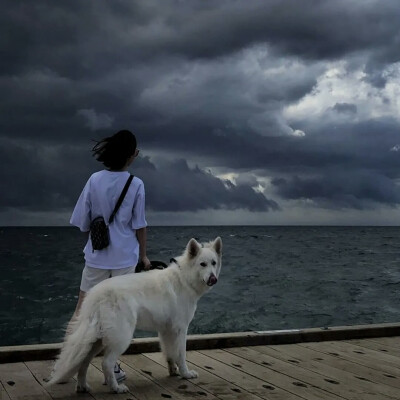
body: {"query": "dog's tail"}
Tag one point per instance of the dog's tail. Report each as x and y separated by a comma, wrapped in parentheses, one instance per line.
(76, 347)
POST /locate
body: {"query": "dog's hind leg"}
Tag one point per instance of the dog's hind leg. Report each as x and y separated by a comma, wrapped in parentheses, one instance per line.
(109, 360)
(82, 386)
(116, 341)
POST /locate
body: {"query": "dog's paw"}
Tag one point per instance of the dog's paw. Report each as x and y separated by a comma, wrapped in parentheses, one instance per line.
(82, 388)
(173, 369)
(120, 389)
(190, 374)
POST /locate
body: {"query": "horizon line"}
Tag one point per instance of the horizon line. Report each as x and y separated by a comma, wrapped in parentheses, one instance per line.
(217, 225)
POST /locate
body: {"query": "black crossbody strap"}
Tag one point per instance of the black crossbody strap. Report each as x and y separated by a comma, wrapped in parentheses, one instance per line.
(121, 199)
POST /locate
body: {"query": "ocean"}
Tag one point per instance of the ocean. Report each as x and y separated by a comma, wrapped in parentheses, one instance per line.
(272, 277)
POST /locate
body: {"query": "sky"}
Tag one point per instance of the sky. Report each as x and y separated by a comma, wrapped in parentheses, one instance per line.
(273, 112)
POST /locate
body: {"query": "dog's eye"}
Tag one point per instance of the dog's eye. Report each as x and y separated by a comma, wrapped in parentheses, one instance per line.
(213, 262)
(203, 264)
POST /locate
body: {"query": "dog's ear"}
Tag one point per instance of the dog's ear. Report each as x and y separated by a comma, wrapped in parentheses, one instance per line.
(217, 245)
(193, 248)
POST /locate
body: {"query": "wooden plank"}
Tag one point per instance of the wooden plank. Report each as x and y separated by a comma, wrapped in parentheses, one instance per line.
(347, 353)
(67, 391)
(348, 385)
(388, 341)
(376, 346)
(263, 382)
(140, 386)
(256, 338)
(211, 385)
(181, 389)
(293, 368)
(19, 383)
(41, 370)
(3, 393)
(291, 364)
(219, 340)
(95, 379)
(291, 375)
(372, 358)
(9, 354)
(344, 364)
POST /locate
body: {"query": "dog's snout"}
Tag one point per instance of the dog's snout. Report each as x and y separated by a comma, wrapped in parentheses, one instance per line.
(212, 280)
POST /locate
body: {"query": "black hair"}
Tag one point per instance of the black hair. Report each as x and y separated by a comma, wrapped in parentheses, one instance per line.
(115, 150)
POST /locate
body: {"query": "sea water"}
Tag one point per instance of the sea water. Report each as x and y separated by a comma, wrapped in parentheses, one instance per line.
(272, 278)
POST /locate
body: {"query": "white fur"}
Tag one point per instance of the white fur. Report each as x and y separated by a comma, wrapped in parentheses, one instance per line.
(160, 300)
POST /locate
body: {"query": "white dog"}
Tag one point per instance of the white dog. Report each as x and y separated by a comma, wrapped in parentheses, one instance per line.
(158, 300)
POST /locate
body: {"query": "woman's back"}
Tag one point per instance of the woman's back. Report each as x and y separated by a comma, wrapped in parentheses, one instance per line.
(98, 198)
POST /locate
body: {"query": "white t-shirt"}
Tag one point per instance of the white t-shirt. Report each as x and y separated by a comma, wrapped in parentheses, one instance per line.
(98, 198)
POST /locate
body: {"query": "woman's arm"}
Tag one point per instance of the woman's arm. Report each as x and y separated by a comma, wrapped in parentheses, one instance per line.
(141, 235)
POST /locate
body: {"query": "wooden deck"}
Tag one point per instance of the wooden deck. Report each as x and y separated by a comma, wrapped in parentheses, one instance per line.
(363, 369)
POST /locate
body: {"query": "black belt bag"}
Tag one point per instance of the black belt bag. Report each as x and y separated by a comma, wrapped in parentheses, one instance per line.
(99, 233)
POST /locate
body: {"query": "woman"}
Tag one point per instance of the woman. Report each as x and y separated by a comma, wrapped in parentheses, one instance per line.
(128, 229)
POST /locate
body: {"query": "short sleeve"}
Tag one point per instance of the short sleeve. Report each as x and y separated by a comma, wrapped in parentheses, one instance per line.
(81, 215)
(139, 218)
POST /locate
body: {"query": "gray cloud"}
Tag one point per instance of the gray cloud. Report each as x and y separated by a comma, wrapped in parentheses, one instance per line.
(345, 108)
(121, 30)
(174, 186)
(43, 182)
(94, 120)
(341, 189)
(38, 178)
(205, 82)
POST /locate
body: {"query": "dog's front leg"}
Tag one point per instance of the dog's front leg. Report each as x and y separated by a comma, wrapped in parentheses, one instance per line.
(181, 359)
(168, 342)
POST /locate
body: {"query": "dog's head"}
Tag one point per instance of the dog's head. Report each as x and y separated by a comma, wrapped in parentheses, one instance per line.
(204, 261)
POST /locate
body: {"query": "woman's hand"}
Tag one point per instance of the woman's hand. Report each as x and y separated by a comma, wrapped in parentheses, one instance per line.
(146, 263)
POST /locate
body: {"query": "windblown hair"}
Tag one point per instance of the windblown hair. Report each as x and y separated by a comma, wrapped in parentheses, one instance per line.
(115, 150)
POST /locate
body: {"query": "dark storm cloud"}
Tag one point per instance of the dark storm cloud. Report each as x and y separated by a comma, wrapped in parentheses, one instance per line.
(363, 145)
(363, 150)
(89, 38)
(358, 167)
(37, 178)
(341, 189)
(345, 108)
(62, 58)
(198, 29)
(174, 186)
(43, 182)
(199, 80)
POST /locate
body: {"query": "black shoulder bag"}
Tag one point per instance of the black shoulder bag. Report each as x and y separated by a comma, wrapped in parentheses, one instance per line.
(99, 233)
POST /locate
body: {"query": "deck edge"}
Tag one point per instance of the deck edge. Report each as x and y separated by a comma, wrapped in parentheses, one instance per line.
(10, 354)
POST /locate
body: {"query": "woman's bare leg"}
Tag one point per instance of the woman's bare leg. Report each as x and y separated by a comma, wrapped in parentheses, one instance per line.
(80, 301)
(76, 312)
